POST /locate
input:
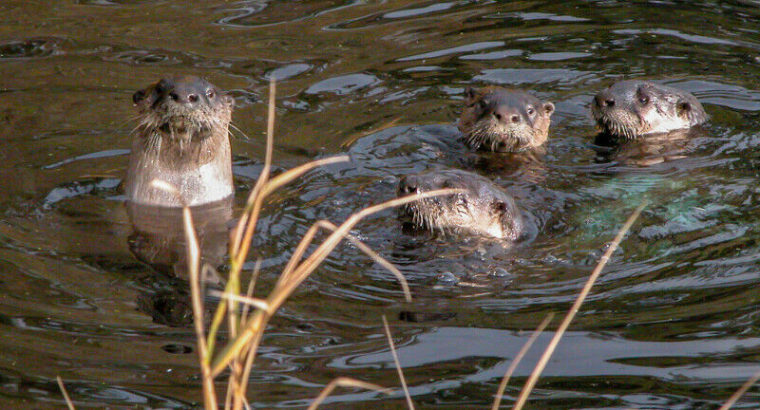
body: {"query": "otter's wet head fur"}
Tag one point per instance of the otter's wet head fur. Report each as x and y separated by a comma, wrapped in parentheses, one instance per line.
(629, 109)
(483, 208)
(182, 138)
(498, 119)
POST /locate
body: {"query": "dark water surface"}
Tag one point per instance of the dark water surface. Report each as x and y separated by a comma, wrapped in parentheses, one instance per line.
(673, 322)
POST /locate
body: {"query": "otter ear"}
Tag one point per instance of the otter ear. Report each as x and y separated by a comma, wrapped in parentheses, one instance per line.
(229, 100)
(470, 94)
(499, 206)
(138, 96)
(684, 109)
(549, 108)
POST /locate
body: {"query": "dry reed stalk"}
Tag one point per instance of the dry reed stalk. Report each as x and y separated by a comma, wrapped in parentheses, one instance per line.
(518, 358)
(251, 286)
(264, 176)
(255, 201)
(531, 382)
(373, 255)
(295, 273)
(398, 364)
(236, 260)
(389, 124)
(734, 397)
(241, 388)
(65, 393)
(343, 382)
(194, 259)
(246, 329)
(194, 268)
(238, 251)
(229, 297)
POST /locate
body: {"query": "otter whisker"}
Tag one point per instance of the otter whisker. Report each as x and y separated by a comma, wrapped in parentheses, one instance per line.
(235, 127)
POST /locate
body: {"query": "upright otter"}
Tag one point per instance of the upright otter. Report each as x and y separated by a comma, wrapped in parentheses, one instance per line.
(504, 120)
(482, 208)
(629, 109)
(183, 139)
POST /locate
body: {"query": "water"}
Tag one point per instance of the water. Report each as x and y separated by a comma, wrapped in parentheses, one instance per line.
(672, 323)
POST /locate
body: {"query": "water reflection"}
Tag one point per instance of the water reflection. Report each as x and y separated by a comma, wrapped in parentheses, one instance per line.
(158, 239)
(647, 150)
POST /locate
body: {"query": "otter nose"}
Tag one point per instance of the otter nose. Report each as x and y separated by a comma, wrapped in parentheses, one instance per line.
(179, 90)
(603, 100)
(504, 113)
(183, 97)
(408, 185)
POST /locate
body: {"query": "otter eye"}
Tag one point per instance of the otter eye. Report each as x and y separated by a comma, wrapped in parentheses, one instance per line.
(644, 100)
(531, 111)
(160, 87)
(210, 94)
(483, 104)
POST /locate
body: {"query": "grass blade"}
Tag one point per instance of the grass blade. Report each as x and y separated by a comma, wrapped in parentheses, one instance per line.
(531, 382)
(518, 358)
(65, 393)
(398, 365)
(734, 397)
(193, 263)
(343, 382)
(290, 280)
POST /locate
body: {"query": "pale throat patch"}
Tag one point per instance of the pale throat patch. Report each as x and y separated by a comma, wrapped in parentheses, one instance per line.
(213, 181)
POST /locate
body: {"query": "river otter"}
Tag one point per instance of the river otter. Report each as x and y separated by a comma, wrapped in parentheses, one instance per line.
(183, 139)
(483, 208)
(504, 120)
(629, 109)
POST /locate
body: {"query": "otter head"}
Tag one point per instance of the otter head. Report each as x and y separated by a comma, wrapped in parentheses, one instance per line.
(482, 207)
(181, 110)
(504, 120)
(629, 109)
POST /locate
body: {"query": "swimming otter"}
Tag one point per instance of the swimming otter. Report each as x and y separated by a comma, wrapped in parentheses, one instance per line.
(629, 109)
(483, 208)
(183, 139)
(504, 120)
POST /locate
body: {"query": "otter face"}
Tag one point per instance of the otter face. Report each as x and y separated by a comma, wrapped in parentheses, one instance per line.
(504, 120)
(629, 109)
(483, 208)
(183, 109)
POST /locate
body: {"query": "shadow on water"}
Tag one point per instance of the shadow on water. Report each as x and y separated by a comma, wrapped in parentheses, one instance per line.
(672, 322)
